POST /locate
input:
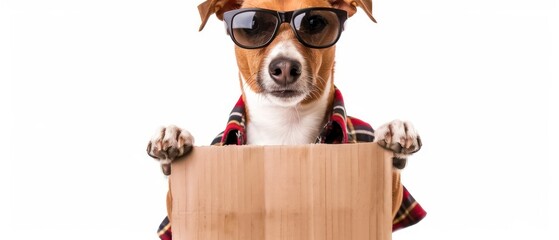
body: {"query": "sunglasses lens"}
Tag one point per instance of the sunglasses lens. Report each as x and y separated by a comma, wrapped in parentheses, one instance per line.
(317, 28)
(253, 29)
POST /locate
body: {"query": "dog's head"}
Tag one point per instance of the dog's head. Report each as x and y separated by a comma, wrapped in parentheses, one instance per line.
(285, 49)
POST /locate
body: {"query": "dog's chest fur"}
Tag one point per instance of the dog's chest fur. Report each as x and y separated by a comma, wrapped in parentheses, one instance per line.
(270, 124)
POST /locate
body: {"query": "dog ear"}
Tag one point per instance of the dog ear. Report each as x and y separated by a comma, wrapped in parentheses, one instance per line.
(350, 6)
(218, 7)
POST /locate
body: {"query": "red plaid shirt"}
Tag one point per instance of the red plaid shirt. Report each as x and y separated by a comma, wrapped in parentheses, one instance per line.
(339, 129)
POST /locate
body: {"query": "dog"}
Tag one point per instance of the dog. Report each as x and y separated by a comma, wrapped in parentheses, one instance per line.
(285, 52)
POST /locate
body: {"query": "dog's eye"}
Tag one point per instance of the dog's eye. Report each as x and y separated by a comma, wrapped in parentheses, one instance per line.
(253, 28)
(313, 24)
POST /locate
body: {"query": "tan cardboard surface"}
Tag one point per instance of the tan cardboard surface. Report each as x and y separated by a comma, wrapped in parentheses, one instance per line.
(306, 192)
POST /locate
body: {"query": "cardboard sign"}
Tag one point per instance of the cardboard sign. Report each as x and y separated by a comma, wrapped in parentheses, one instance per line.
(306, 192)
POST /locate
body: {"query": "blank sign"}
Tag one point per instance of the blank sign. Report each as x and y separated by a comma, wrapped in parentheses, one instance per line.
(305, 192)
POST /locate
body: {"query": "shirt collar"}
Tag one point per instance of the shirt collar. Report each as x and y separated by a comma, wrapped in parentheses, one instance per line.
(334, 131)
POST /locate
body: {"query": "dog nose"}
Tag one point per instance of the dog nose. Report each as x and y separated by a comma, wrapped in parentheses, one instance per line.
(285, 71)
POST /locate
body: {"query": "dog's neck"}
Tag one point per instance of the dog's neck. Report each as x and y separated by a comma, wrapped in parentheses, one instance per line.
(270, 124)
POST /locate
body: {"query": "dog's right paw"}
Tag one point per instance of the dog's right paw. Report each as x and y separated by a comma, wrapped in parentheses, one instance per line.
(168, 144)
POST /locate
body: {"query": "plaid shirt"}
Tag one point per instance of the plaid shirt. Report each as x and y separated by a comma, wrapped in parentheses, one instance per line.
(339, 129)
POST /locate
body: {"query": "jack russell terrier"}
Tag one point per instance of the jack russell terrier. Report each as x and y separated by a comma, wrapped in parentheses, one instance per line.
(285, 54)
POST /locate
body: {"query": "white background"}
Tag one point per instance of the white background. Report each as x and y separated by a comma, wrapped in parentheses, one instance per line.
(84, 85)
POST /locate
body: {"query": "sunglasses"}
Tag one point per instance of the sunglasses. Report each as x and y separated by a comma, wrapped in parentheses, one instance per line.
(252, 28)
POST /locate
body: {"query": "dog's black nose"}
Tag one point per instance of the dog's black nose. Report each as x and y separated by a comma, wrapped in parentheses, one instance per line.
(285, 71)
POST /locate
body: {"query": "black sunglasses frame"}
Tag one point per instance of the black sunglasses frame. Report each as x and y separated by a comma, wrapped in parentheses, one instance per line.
(283, 17)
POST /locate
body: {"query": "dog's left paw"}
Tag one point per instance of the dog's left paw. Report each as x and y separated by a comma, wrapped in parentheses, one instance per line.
(399, 137)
